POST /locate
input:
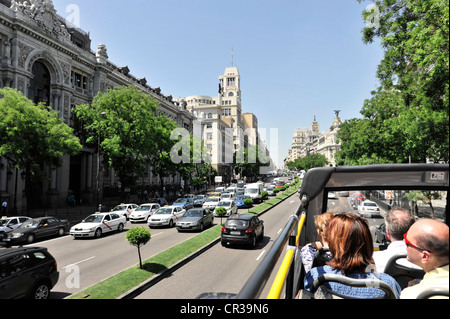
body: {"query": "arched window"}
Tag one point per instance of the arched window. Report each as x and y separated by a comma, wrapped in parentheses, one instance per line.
(39, 90)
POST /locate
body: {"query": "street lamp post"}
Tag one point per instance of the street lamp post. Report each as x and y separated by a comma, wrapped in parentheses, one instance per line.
(98, 162)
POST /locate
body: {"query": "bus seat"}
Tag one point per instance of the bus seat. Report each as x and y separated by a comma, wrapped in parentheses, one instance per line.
(433, 292)
(379, 284)
(402, 274)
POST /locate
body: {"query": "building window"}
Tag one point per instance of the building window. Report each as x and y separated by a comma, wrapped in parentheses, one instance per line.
(231, 81)
(226, 112)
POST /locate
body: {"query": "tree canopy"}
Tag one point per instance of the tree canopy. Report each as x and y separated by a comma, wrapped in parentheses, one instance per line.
(126, 123)
(407, 117)
(32, 136)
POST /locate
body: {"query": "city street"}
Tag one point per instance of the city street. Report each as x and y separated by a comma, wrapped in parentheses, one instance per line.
(98, 259)
(224, 269)
(84, 262)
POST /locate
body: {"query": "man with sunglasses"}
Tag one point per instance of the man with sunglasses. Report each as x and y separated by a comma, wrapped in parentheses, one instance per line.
(427, 243)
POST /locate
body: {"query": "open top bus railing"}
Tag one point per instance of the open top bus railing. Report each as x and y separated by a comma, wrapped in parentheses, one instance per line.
(300, 228)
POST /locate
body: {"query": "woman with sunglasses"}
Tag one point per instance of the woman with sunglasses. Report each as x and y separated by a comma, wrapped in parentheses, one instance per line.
(427, 243)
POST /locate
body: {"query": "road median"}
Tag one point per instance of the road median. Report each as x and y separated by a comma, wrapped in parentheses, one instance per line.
(130, 282)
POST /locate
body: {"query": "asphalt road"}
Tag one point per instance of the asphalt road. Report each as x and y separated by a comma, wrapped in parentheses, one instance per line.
(84, 262)
(223, 269)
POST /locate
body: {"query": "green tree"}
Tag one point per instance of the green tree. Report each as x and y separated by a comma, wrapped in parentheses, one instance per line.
(220, 211)
(407, 117)
(32, 136)
(125, 121)
(249, 162)
(308, 162)
(138, 236)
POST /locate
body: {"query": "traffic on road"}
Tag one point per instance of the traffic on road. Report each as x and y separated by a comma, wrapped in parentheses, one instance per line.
(98, 240)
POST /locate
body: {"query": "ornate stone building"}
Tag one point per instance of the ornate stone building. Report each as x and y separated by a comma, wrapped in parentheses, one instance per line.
(310, 141)
(50, 60)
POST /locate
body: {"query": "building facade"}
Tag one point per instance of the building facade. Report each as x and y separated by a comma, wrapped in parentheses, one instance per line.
(49, 60)
(224, 128)
(310, 141)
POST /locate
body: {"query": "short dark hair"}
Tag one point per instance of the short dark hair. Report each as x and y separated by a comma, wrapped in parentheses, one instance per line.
(398, 221)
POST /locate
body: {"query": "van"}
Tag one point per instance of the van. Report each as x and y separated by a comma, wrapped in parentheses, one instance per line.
(254, 191)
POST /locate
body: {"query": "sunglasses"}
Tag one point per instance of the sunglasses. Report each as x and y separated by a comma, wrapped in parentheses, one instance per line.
(408, 243)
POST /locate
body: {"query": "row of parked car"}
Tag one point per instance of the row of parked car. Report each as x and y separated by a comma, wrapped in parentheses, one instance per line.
(22, 229)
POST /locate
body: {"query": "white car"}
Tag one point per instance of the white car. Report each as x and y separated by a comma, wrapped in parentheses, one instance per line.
(124, 209)
(96, 224)
(230, 206)
(166, 216)
(369, 208)
(143, 212)
(226, 196)
(211, 203)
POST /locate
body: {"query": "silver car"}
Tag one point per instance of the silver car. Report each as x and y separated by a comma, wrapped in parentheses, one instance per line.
(195, 219)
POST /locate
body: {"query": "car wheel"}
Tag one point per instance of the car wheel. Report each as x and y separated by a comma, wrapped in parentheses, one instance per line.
(61, 232)
(224, 243)
(40, 291)
(120, 228)
(98, 233)
(171, 223)
(253, 242)
(201, 227)
(30, 238)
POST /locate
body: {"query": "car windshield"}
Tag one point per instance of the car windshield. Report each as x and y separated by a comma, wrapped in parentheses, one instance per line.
(164, 211)
(93, 219)
(422, 203)
(181, 200)
(224, 204)
(251, 190)
(370, 204)
(241, 197)
(194, 213)
(143, 208)
(213, 199)
(3, 222)
(119, 207)
(30, 223)
(236, 223)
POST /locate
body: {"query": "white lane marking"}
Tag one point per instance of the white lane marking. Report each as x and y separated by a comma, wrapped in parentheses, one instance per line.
(153, 235)
(82, 261)
(260, 255)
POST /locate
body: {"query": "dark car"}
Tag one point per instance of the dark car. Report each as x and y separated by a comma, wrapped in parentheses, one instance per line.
(27, 273)
(242, 229)
(380, 236)
(195, 219)
(37, 228)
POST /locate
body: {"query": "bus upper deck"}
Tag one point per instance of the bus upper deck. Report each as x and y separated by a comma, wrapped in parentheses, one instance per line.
(420, 188)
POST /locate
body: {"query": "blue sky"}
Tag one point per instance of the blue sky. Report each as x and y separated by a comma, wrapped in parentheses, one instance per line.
(297, 58)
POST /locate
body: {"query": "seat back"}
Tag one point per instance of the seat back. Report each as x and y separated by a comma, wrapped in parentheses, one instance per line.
(372, 283)
(433, 292)
(402, 274)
